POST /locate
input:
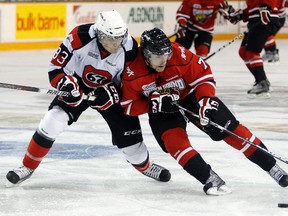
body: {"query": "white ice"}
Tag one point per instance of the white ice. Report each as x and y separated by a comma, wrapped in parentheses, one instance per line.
(85, 175)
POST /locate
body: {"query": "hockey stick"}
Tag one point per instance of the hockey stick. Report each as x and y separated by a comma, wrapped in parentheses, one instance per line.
(233, 134)
(230, 42)
(227, 44)
(41, 90)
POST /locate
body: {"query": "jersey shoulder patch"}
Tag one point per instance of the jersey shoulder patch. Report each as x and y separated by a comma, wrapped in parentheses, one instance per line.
(136, 69)
(80, 36)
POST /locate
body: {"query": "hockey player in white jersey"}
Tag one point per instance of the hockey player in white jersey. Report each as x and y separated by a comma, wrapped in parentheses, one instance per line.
(90, 61)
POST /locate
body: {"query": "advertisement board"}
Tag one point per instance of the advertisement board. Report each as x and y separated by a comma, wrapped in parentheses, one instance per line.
(36, 21)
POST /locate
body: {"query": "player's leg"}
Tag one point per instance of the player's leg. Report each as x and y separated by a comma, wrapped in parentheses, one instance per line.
(53, 123)
(187, 40)
(127, 136)
(203, 42)
(271, 53)
(170, 133)
(250, 50)
(226, 119)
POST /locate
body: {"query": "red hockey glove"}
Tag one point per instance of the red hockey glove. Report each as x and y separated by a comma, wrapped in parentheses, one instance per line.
(69, 84)
(163, 102)
(267, 17)
(207, 109)
(236, 16)
(106, 96)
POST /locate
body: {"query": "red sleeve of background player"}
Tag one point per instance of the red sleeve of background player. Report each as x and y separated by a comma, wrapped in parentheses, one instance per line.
(200, 78)
(184, 12)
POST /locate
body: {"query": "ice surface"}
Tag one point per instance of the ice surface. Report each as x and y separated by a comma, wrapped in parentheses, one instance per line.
(85, 175)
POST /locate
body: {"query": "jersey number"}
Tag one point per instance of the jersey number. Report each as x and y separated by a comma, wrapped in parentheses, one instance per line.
(201, 61)
(60, 56)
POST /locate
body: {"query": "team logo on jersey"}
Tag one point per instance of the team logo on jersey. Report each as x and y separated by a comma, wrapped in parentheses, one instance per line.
(177, 85)
(183, 54)
(130, 72)
(93, 77)
(70, 38)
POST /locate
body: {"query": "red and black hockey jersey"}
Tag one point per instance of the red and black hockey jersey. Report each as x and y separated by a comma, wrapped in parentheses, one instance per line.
(184, 72)
(198, 15)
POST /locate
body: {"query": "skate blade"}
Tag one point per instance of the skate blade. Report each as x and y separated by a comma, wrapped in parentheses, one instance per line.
(8, 184)
(264, 95)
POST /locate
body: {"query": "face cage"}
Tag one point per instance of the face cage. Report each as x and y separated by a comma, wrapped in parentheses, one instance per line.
(101, 35)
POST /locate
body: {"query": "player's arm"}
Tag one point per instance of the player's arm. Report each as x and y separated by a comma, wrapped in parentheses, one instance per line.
(183, 14)
(200, 78)
(133, 101)
(64, 60)
(204, 87)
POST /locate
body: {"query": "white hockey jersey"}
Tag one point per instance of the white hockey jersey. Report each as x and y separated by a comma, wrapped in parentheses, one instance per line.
(82, 56)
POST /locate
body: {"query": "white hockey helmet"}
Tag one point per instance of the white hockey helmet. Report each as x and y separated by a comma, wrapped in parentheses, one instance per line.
(110, 24)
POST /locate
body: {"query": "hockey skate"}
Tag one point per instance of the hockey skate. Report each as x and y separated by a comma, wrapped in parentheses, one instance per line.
(279, 175)
(261, 89)
(157, 172)
(271, 56)
(215, 185)
(19, 174)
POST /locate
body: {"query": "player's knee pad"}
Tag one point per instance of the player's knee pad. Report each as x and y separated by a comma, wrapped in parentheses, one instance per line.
(178, 145)
(202, 50)
(242, 52)
(54, 122)
(239, 144)
(247, 55)
(136, 154)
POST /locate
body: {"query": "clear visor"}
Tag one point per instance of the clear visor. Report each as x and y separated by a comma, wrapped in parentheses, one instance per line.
(158, 62)
(111, 43)
(102, 35)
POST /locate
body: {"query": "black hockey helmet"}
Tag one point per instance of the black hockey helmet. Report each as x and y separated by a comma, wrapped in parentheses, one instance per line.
(155, 42)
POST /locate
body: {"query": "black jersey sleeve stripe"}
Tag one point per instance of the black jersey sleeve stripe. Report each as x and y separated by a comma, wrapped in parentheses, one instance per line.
(83, 35)
(131, 54)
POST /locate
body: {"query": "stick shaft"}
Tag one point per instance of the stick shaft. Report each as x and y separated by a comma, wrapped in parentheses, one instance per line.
(40, 90)
(235, 135)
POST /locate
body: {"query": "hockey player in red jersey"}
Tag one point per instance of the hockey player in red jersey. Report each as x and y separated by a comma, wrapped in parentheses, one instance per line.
(263, 20)
(90, 61)
(164, 74)
(196, 20)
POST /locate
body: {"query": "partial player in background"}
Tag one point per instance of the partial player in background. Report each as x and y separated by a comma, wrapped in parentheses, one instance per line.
(195, 23)
(90, 61)
(263, 20)
(164, 74)
(271, 52)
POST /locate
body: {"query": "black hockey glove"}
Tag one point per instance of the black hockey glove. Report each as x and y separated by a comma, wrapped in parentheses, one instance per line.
(106, 96)
(235, 16)
(163, 102)
(69, 84)
(207, 110)
(225, 9)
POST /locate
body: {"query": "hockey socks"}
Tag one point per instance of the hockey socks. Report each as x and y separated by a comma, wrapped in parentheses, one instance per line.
(178, 145)
(38, 148)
